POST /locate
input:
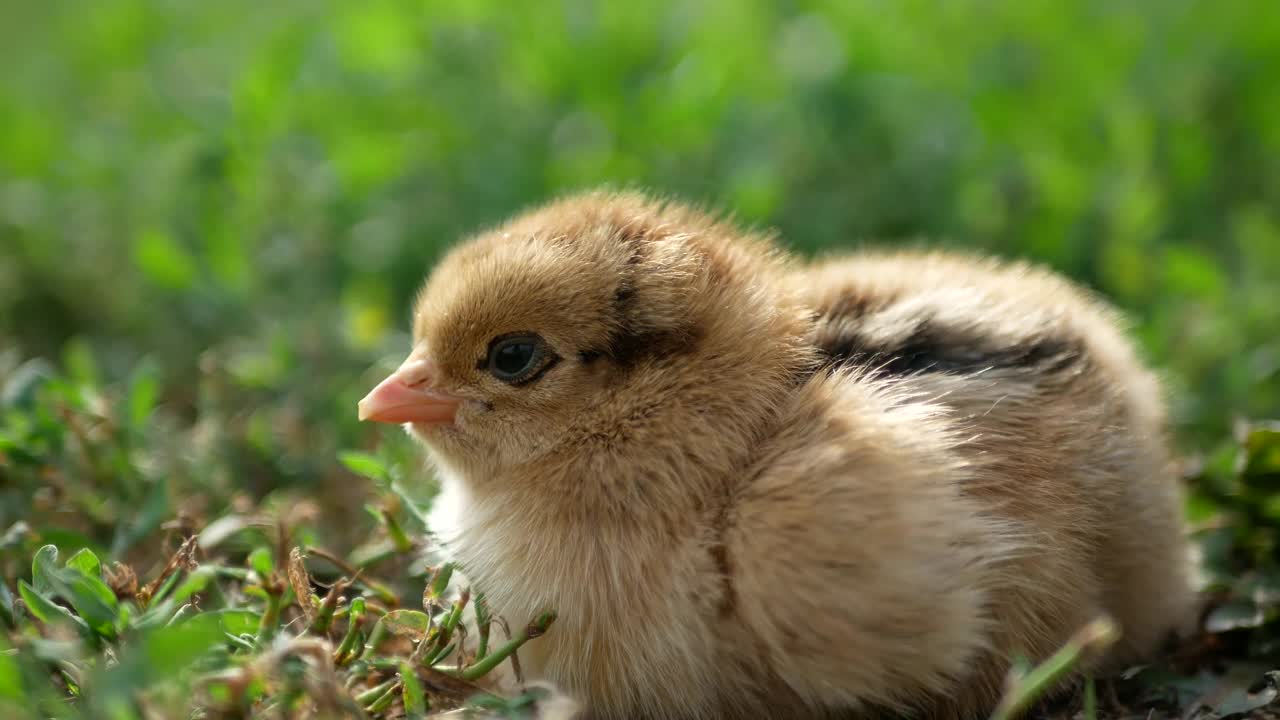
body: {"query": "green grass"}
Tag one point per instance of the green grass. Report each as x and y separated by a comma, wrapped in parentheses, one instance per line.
(265, 185)
(245, 614)
(213, 217)
(125, 597)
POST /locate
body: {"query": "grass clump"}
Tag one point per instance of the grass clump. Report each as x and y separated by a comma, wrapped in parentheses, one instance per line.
(137, 584)
(143, 606)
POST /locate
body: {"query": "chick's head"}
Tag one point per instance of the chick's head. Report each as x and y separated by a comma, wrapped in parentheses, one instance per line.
(521, 332)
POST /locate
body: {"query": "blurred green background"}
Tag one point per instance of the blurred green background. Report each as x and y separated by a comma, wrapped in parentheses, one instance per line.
(232, 202)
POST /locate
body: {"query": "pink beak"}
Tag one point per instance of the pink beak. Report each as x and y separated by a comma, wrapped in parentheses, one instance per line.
(407, 396)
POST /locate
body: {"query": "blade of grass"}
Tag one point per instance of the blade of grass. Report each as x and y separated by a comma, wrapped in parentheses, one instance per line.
(1023, 691)
(481, 667)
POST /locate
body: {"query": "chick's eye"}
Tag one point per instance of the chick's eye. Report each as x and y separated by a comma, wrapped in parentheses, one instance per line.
(514, 359)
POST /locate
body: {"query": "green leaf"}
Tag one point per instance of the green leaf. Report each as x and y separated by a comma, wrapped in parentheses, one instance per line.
(85, 562)
(261, 561)
(162, 593)
(195, 582)
(43, 564)
(439, 582)
(415, 700)
(77, 358)
(16, 453)
(91, 598)
(46, 610)
(144, 388)
(57, 651)
(163, 260)
(157, 657)
(238, 621)
(11, 686)
(409, 623)
(365, 464)
(156, 615)
(1263, 453)
(172, 649)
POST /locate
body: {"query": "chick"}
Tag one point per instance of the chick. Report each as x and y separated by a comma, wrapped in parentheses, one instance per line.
(756, 488)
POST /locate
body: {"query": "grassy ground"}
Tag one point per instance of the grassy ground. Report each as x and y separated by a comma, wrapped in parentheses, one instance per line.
(127, 594)
(122, 598)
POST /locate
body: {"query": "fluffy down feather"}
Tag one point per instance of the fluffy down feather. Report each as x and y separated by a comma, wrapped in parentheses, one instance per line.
(754, 487)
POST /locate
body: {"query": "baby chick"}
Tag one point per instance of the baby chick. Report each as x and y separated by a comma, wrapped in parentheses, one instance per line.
(755, 488)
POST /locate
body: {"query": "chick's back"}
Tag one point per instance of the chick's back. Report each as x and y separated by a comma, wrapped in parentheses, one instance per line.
(1027, 482)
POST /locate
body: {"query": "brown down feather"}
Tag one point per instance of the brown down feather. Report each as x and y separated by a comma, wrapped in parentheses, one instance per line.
(758, 487)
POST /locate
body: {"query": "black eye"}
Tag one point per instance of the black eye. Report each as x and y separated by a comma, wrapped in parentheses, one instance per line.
(515, 359)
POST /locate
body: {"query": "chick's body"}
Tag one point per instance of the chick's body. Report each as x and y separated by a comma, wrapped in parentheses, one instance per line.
(755, 488)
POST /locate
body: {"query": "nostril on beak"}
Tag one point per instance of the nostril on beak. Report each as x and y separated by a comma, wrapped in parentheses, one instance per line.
(416, 373)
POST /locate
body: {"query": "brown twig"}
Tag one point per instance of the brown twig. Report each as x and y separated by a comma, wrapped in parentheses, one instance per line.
(184, 558)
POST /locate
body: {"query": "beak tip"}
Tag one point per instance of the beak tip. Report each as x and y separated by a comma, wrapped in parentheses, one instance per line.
(362, 411)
